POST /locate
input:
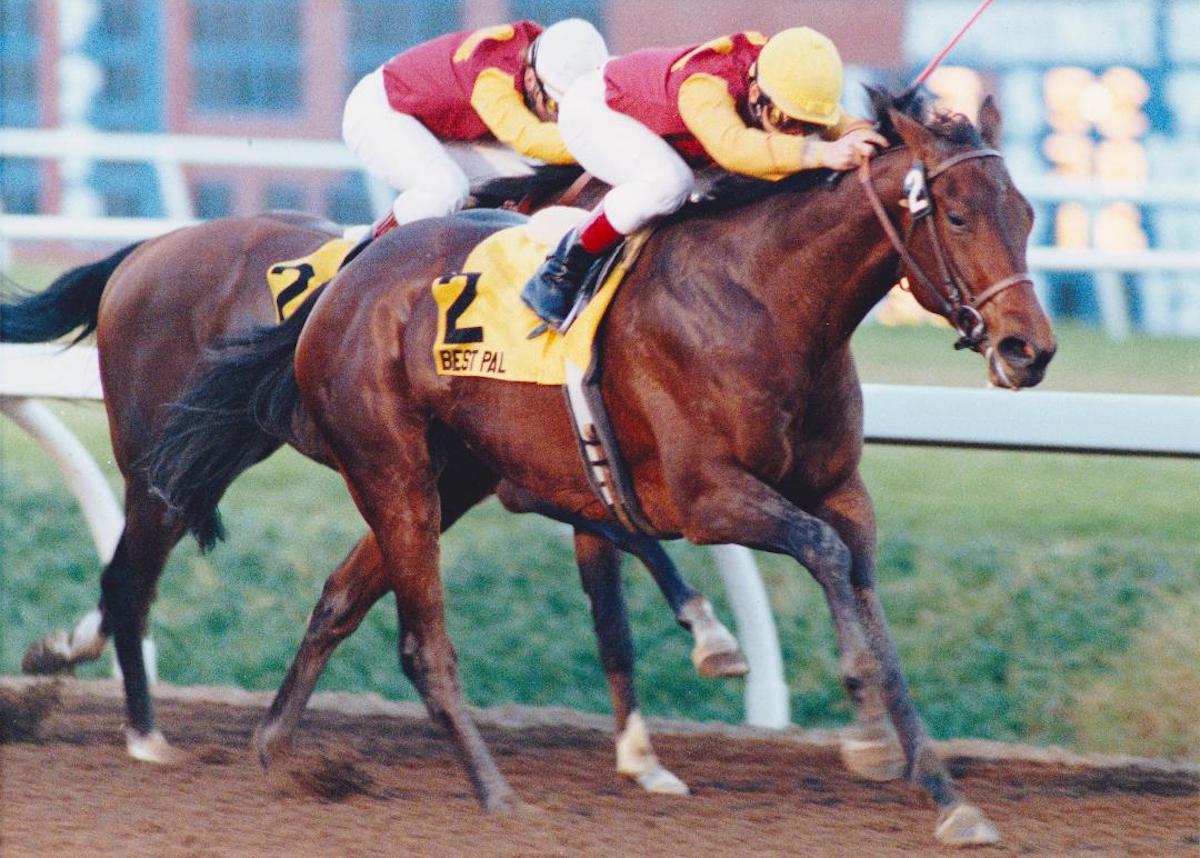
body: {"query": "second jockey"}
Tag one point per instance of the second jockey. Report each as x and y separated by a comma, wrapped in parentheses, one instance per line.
(759, 107)
(496, 84)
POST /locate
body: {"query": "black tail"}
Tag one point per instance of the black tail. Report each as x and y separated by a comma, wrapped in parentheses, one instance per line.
(240, 410)
(72, 301)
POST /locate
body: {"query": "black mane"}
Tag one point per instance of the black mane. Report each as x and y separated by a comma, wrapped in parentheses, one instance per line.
(545, 180)
(732, 191)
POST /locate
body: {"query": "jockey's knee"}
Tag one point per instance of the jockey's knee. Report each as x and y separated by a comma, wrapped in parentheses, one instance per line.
(673, 188)
(418, 204)
(631, 206)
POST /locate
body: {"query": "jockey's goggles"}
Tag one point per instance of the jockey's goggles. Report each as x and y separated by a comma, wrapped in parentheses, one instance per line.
(764, 108)
(548, 101)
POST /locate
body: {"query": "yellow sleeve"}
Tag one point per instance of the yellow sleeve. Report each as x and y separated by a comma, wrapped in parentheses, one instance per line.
(709, 112)
(504, 112)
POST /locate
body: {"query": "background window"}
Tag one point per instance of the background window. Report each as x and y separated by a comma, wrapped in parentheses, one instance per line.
(18, 62)
(349, 202)
(19, 182)
(285, 196)
(380, 29)
(548, 11)
(213, 198)
(126, 42)
(127, 189)
(246, 56)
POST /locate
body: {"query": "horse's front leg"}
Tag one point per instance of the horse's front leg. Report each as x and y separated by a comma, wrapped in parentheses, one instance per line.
(600, 570)
(733, 506)
(872, 751)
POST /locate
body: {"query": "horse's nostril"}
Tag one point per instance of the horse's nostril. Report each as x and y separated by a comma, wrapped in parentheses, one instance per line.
(1016, 352)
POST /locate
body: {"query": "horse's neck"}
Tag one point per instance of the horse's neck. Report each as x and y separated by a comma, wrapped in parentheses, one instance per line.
(824, 261)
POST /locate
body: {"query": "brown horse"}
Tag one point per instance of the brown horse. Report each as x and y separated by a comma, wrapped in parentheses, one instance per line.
(729, 382)
(156, 308)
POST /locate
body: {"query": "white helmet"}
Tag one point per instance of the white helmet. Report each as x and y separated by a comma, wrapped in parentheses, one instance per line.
(565, 51)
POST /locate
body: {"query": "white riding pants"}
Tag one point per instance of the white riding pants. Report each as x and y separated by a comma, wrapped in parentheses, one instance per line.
(434, 178)
(649, 178)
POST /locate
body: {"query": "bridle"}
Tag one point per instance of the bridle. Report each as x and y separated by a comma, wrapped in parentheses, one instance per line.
(957, 303)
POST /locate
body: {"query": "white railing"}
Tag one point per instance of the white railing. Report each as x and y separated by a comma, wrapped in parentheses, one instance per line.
(168, 153)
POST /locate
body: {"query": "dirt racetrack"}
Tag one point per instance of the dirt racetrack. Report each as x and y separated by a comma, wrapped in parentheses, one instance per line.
(374, 778)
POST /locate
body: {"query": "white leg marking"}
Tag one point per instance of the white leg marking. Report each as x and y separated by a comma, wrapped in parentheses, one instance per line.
(62, 650)
(711, 636)
(966, 826)
(636, 759)
(86, 639)
(152, 748)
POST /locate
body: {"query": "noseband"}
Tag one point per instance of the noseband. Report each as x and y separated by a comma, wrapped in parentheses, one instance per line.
(958, 305)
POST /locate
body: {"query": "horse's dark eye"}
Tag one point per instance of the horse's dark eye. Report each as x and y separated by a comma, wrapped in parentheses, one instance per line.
(956, 220)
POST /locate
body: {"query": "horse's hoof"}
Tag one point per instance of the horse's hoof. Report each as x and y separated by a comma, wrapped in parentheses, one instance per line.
(153, 748)
(718, 664)
(48, 656)
(966, 826)
(270, 746)
(661, 782)
(504, 802)
(874, 759)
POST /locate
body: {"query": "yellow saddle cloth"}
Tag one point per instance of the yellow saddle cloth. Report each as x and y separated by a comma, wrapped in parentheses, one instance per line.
(483, 326)
(291, 282)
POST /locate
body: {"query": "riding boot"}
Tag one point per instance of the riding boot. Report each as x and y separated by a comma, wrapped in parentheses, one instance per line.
(552, 289)
(385, 224)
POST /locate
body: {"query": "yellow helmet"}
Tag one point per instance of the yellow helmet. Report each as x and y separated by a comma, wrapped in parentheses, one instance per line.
(801, 72)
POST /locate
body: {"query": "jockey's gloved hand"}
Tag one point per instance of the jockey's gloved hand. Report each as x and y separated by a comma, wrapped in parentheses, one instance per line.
(851, 150)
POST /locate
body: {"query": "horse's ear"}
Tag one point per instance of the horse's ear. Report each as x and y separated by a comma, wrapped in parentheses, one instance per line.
(915, 135)
(990, 123)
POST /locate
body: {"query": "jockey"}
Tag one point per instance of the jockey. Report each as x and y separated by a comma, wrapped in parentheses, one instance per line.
(496, 84)
(759, 107)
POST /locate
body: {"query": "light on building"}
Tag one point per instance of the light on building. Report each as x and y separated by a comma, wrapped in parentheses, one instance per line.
(958, 90)
(1097, 121)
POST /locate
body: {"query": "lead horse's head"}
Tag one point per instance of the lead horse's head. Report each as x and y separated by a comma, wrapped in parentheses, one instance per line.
(966, 230)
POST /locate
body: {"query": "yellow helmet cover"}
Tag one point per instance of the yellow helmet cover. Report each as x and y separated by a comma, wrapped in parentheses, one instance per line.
(800, 70)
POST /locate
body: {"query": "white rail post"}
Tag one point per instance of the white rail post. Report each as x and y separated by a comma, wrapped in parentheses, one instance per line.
(48, 371)
(79, 470)
(767, 702)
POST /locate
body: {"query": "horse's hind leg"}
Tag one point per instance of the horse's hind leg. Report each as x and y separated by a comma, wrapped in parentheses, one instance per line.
(60, 651)
(353, 588)
(357, 584)
(384, 453)
(426, 653)
(715, 651)
(600, 570)
(127, 587)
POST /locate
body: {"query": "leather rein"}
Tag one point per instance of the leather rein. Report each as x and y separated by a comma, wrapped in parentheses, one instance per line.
(958, 304)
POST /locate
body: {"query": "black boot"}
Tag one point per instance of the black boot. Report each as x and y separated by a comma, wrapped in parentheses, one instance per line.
(551, 290)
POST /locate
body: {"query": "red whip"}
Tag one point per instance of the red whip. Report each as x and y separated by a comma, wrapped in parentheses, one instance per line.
(937, 61)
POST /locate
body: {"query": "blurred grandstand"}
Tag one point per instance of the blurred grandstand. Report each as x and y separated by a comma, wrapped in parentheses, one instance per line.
(1099, 97)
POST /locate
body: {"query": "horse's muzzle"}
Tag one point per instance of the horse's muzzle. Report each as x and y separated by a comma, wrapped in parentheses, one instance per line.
(1014, 363)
